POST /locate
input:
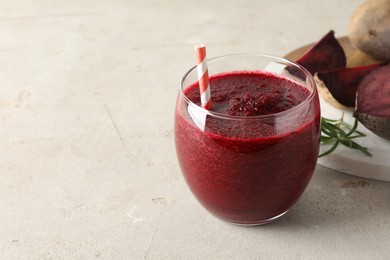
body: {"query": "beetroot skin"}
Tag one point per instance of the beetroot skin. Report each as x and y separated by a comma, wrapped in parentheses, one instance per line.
(373, 101)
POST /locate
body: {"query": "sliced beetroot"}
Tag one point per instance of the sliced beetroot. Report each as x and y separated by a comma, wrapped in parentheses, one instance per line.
(343, 83)
(373, 101)
(327, 54)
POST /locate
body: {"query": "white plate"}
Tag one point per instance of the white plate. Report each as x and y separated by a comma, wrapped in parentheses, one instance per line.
(354, 162)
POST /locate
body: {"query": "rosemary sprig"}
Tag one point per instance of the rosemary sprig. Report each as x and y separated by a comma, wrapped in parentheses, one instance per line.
(340, 132)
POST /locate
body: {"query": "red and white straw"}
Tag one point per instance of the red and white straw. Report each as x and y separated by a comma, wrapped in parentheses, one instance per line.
(203, 76)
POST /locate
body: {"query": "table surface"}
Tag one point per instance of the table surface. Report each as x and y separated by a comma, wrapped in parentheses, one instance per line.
(88, 164)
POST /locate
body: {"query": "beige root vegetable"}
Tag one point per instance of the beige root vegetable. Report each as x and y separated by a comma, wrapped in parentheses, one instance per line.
(369, 28)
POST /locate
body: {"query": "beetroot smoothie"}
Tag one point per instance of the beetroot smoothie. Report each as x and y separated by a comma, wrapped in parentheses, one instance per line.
(256, 152)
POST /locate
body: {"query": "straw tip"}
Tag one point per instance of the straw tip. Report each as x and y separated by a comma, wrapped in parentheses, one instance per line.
(199, 46)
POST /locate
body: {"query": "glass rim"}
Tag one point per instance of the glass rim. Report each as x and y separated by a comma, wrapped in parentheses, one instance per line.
(308, 99)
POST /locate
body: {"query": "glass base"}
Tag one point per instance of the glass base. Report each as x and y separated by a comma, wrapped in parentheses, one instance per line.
(256, 223)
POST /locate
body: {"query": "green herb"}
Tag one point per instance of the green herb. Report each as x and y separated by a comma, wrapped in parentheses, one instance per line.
(340, 132)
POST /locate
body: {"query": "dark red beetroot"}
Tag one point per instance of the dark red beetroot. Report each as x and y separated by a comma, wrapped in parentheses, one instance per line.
(373, 101)
(327, 54)
(343, 83)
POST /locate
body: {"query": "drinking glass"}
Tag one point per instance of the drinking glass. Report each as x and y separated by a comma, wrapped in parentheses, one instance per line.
(248, 170)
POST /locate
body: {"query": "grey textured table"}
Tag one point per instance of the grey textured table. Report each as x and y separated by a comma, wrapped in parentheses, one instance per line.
(88, 166)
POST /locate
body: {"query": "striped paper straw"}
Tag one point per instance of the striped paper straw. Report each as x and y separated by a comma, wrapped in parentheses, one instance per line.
(203, 76)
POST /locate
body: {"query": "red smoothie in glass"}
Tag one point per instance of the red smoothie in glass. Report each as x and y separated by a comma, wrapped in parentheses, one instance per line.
(243, 168)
